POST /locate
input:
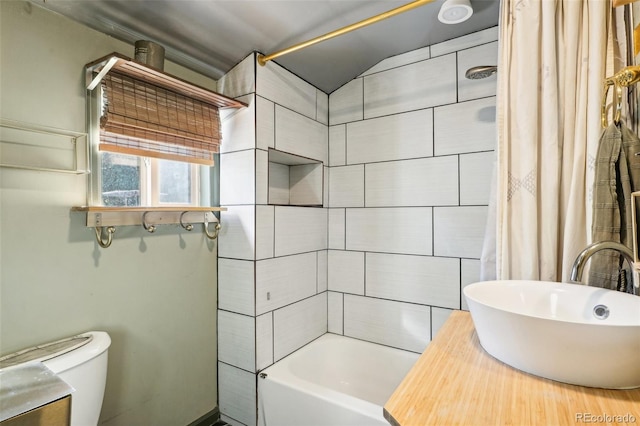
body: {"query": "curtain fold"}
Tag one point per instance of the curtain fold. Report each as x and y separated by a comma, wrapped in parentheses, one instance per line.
(550, 74)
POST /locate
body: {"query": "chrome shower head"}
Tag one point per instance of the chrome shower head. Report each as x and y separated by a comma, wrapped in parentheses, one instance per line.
(482, 71)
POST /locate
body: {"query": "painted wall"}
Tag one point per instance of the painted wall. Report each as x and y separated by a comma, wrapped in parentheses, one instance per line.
(155, 295)
(411, 155)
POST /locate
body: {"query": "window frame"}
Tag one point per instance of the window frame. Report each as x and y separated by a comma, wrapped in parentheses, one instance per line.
(149, 167)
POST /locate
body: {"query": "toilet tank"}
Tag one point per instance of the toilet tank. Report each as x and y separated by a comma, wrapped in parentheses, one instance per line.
(81, 361)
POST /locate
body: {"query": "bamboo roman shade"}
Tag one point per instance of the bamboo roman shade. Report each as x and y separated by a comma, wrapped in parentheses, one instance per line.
(142, 119)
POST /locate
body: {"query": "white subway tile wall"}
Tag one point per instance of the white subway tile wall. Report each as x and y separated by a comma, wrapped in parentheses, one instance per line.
(465, 127)
(335, 312)
(398, 324)
(403, 183)
(237, 178)
(301, 135)
(337, 145)
(476, 171)
(336, 228)
(425, 280)
(470, 274)
(407, 156)
(286, 89)
(461, 43)
(322, 107)
(299, 323)
(416, 86)
(265, 123)
(264, 341)
(325, 186)
(236, 393)
(239, 80)
(346, 271)
(262, 176)
(236, 286)
(239, 126)
(426, 137)
(300, 229)
(412, 134)
(459, 231)
(400, 60)
(486, 54)
(390, 230)
(284, 280)
(265, 216)
(323, 278)
(237, 235)
(273, 258)
(236, 340)
(345, 104)
(438, 317)
(346, 186)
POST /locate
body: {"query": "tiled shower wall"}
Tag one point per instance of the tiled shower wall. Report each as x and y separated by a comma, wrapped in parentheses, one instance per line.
(411, 153)
(408, 154)
(272, 259)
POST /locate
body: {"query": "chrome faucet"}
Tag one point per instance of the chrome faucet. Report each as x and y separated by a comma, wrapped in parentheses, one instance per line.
(581, 260)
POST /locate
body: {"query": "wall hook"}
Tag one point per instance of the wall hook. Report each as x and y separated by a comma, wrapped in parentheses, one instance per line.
(214, 234)
(187, 226)
(104, 243)
(150, 228)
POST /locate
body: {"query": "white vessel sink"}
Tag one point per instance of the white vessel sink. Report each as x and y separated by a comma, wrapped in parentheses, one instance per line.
(571, 333)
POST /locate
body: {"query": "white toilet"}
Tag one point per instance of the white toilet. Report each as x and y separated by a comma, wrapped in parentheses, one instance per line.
(81, 361)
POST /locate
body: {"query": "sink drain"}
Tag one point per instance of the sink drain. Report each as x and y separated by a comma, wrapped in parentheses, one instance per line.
(601, 312)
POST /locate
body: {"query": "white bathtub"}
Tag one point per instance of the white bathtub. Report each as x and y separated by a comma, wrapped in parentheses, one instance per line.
(333, 381)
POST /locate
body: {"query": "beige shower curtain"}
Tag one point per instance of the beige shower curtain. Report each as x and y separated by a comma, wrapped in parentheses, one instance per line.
(550, 74)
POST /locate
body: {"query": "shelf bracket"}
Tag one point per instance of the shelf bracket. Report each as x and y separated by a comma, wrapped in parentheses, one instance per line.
(105, 69)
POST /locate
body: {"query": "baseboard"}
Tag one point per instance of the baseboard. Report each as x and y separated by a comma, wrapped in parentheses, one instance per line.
(208, 419)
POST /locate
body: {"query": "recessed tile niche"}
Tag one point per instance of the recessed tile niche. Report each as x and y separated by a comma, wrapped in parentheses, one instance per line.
(294, 180)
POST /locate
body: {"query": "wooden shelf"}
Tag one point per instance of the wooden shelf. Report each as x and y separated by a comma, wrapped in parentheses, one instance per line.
(97, 69)
(100, 209)
(98, 216)
(105, 219)
(456, 382)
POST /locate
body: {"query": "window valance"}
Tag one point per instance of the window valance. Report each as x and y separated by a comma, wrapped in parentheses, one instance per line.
(143, 119)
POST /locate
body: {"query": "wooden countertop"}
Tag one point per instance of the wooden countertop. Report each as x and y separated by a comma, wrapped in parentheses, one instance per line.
(455, 382)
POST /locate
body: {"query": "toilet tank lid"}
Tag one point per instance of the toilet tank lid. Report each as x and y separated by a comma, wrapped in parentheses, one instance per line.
(51, 350)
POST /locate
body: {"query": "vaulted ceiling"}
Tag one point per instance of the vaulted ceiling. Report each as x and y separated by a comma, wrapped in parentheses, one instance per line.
(211, 36)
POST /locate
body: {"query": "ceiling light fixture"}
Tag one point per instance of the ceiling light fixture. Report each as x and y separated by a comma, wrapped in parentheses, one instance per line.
(455, 11)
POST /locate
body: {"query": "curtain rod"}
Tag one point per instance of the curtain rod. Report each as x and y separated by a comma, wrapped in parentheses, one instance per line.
(263, 59)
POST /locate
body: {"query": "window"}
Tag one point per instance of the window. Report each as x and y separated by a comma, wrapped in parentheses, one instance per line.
(152, 147)
(121, 180)
(128, 180)
(153, 138)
